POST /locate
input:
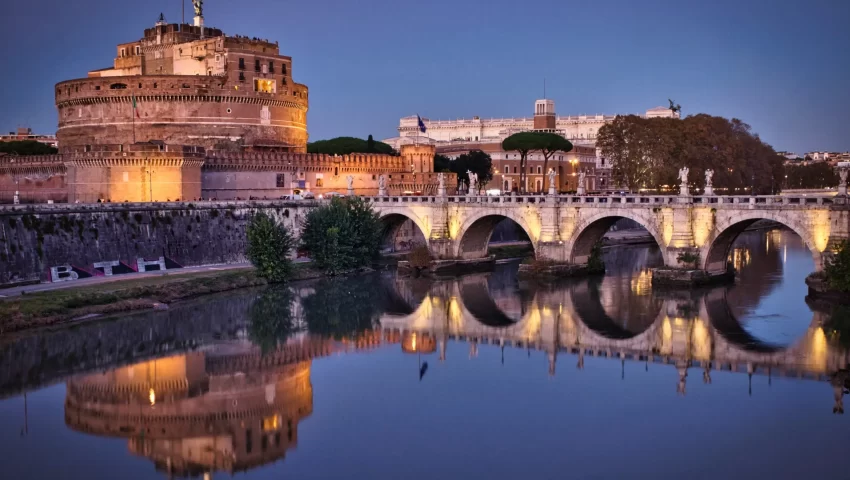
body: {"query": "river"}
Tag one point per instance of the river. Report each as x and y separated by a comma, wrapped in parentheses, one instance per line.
(476, 377)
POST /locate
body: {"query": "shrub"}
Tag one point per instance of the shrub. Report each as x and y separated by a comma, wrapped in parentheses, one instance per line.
(688, 258)
(271, 318)
(837, 269)
(342, 235)
(269, 247)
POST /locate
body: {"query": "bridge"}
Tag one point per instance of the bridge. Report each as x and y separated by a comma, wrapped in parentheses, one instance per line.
(564, 228)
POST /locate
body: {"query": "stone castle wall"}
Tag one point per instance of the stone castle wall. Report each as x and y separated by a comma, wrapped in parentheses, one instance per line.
(35, 238)
(183, 110)
(37, 178)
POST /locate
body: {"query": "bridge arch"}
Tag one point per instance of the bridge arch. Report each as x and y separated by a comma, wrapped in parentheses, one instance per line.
(394, 219)
(474, 233)
(591, 230)
(716, 250)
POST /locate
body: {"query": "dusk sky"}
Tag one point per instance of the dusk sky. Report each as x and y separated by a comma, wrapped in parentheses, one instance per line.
(783, 66)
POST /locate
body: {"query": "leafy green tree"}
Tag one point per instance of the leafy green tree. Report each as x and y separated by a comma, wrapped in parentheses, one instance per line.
(271, 318)
(342, 235)
(837, 269)
(442, 163)
(26, 147)
(477, 162)
(550, 144)
(648, 152)
(525, 142)
(348, 145)
(269, 247)
(522, 142)
(342, 308)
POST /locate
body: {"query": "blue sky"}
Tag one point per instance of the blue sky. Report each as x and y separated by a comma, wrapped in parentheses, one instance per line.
(782, 66)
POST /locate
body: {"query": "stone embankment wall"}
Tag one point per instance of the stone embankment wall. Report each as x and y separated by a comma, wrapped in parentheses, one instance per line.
(35, 238)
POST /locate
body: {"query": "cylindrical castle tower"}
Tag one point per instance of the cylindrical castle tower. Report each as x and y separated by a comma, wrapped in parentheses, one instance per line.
(188, 85)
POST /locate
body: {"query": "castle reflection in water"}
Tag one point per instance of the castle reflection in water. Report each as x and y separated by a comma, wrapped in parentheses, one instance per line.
(231, 405)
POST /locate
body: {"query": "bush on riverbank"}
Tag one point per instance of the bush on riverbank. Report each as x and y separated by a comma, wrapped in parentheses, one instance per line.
(343, 235)
(837, 269)
(269, 247)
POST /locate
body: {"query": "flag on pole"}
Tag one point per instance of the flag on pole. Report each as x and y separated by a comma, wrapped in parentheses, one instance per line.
(135, 110)
(421, 124)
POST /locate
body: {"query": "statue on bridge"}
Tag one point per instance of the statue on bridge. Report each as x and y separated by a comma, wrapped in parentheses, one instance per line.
(441, 188)
(350, 180)
(552, 181)
(581, 183)
(842, 175)
(382, 185)
(199, 7)
(709, 188)
(473, 183)
(683, 176)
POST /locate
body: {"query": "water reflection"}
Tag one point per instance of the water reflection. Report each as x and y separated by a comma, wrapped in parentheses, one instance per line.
(222, 385)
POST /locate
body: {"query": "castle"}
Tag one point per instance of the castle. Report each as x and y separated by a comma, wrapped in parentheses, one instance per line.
(187, 112)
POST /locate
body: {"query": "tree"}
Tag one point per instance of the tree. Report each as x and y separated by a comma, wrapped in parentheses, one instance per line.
(648, 152)
(522, 143)
(442, 163)
(26, 147)
(477, 162)
(269, 247)
(551, 143)
(343, 235)
(348, 145)
(625, 142)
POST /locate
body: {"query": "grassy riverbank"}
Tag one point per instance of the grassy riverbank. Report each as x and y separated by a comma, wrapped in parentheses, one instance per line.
(56, 307)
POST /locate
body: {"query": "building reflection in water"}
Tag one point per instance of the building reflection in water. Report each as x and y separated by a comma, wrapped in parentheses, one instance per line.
(224, 409)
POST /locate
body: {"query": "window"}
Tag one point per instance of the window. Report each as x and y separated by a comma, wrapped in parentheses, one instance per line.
(123, 53)
(140, 84)
(280, 181)
(217, 58)
(283, 69)
(118, 86)
(249, 444)
(264, 85)
(271, 66)
(336, 171)
(241, 78)
(319, 182)
(155, 85)
(539, 170)
(256, 65)
(241, 64)
(138, 50)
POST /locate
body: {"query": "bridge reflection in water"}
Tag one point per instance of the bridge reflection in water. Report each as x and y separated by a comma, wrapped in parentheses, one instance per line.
(231, 406)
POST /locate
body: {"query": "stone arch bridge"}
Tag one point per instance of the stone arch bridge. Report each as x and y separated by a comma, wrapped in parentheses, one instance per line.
(564, 228)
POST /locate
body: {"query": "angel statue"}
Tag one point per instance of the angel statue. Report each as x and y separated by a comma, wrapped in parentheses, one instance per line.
(708, 176)
(199, 7)
(382, 182)
(350, 180)
(441, 177)
(683, 175)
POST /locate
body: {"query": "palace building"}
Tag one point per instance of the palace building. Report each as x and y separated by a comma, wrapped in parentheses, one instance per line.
(455, 137)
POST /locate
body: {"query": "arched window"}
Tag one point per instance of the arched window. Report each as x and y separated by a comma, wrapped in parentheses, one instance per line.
(118, 86)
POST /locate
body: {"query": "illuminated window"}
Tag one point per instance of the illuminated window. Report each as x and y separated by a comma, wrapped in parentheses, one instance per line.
(271, 423)
(265, 85)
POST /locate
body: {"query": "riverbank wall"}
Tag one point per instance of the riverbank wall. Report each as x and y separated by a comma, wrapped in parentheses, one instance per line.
(53, 242)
